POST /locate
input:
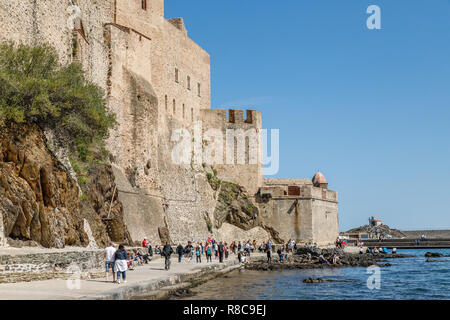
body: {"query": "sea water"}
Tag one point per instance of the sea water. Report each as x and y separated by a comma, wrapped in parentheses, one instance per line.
(407, 278)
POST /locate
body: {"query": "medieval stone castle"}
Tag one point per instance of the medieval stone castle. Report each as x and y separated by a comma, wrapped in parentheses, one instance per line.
(157, 80)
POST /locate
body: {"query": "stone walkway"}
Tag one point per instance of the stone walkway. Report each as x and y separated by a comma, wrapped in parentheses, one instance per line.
(143, 280)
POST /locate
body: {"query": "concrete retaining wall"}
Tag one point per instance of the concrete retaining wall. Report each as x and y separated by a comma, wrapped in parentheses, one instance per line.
(44, 266)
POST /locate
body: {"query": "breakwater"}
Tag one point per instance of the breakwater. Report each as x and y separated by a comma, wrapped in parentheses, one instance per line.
(442, 243)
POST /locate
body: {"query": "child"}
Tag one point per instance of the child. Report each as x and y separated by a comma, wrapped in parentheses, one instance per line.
(198, 254)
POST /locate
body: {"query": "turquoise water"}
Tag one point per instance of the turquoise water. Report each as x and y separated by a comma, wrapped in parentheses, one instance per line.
(406, 279)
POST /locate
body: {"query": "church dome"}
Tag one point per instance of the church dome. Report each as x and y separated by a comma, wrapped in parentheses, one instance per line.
(319, 179)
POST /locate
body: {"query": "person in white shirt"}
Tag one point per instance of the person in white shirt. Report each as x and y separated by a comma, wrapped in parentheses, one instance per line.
(109, 261)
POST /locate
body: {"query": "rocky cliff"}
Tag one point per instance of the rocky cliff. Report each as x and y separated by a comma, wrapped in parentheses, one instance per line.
(41, 203)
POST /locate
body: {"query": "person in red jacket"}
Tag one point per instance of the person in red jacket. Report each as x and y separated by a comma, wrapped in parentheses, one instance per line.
(145, 243)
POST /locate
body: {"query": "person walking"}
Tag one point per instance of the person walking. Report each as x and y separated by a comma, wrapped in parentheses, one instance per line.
(198, 254)
(180, 251)
(110, 259)
(226, 251)
(208, 251)
(188, 250)
(167, 253)
(121, 263)
(269, 251)
(221, 250)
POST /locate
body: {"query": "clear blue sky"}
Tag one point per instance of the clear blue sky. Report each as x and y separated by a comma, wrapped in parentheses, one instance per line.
(369, 108)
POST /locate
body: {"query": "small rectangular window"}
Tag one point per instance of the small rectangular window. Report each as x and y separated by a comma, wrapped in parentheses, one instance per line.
(144, 4)
(176, 75)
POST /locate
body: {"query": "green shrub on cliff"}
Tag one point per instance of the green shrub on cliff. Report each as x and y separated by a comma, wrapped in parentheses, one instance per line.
(36, 88)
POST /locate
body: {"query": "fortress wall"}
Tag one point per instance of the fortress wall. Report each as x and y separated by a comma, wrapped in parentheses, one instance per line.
(326, 194)
(246, 174)
(134, 102)
(36, 22)
(185, 189)
(325, 222)
(292, 218)
(171, 49)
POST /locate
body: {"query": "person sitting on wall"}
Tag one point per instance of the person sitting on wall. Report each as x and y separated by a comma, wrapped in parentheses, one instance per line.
(142, 257)
(323, 260)
(335, 258)
(145, 243)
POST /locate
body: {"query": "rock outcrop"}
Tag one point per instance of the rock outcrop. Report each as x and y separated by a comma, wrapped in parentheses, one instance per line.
(433, 255)
(101, 207)
(40, 202)
(235, 208)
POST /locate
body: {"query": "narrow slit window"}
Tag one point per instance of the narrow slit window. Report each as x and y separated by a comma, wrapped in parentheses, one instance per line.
(188, 83)
(167, 103)
(174, 107)
(199, 89)
(144, 4)
(184, 111)
(192, 114)
(176, 75)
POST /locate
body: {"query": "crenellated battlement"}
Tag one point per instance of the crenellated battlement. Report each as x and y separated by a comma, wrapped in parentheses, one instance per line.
(232, 116)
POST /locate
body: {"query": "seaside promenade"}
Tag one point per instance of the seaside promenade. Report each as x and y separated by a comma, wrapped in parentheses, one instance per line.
(145, 280)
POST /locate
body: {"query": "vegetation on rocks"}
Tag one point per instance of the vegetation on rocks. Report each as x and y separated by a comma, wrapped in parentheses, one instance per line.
(36, 88)
(40, 203)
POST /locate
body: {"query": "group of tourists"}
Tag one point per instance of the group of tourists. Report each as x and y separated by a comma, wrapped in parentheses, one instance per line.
(341, 243)
(119, 260)
(377, 250)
